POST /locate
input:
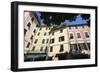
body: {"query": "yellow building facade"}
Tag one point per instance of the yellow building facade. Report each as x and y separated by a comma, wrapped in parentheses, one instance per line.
(54, 40)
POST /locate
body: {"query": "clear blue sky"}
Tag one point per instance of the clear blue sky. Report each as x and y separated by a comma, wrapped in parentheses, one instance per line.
(78, 20)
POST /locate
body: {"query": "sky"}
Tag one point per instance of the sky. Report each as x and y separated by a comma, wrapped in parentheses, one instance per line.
(78, 20)
(39, 14)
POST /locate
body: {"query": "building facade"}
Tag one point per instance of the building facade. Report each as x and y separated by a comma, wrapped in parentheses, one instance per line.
(59, 42)
(41, 40)
(51, 40)
(30, 23)
(79, 36)
(54, 42)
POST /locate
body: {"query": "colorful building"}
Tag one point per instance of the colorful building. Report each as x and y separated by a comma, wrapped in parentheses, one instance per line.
(56, 42)
(79, 36)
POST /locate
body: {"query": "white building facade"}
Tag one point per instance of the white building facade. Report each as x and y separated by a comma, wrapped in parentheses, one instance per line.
(30, 23)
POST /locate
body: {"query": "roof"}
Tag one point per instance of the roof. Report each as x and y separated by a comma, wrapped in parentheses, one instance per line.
(43, 26)
(78, 25)
(58, 27)
(54, 27)
(62, 26)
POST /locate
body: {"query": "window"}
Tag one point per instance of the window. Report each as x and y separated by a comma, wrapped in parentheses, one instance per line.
(69, 27)
(61, 48)
(38, 33)
(61, 31)
(71, 36)
(46, 49)
(61, 38)
(41, 49)
(82, 26)
(49, 33)
(33, 48)
(34, 31)
(36, 41)
(82, 46)
(29, 24)
(31, 37)
(45, 34)
(43, 41)
(25, 32)
(47, 40)
(73, 48)
(52, 41)
(76, 27)
(37, 25)
(86, 35)
(32, 19)
(40, 28)
(52, 33)
(78, 35)
(88, 45)
(51, 49)
(28, 45)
